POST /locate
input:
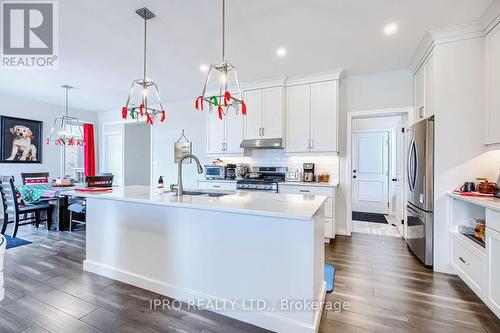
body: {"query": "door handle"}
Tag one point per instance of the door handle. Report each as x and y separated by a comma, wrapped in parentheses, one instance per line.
(394, 179)
(354, 171)
(354, 176)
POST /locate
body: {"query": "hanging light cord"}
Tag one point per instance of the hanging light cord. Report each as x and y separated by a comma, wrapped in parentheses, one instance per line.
(67, 101)
(144, 97)
(223, 30)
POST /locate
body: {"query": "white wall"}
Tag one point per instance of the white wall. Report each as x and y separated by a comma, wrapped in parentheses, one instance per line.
(363, 93)
(459, 151)
(25, 108)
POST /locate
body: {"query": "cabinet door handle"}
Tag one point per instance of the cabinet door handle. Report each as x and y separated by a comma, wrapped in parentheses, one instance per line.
(421, 112)
(263, 131)
(306, 191)
(216, 186)
(308, 143)
(463, 260)
(312, 143)
(260, 131)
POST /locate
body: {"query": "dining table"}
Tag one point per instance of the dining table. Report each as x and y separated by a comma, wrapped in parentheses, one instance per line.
(54, 195)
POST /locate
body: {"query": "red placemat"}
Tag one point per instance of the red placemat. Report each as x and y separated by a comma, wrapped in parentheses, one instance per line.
(94, 189)
(473, 194)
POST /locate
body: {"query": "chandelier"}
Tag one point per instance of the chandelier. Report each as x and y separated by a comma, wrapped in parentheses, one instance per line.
(227, 74)
(69, 129)
(143, 109)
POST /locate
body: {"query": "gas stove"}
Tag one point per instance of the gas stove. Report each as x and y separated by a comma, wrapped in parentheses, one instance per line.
(262, 179)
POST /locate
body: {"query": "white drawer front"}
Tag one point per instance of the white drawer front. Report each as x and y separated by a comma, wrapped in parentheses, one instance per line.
(223, 186)
(314, 190)
(493, 219)
(329, 208)
(469, 262)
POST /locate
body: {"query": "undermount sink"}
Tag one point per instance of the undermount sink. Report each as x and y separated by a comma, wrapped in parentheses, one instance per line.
(210, 194)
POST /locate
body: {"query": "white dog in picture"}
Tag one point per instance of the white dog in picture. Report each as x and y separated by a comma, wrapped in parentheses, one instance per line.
(22, 144)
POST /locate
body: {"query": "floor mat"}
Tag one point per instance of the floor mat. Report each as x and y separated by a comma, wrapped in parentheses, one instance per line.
(15, 242)
(369, 217)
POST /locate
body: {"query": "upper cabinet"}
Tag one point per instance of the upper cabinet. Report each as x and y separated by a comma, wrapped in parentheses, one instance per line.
(492, 87)
(311, 117)
(423, 82)
(224, 136)
(265, 113)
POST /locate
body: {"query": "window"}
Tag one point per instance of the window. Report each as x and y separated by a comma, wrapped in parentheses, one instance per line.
(73, 156)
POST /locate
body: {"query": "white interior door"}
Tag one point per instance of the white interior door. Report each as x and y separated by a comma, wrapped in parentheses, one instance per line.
(113, 156)
(370, 172)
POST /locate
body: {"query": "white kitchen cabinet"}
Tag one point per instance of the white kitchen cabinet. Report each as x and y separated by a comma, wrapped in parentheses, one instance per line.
(424, 85)
(224, 136)
(323, 117)
(264, 113)
(217, 185)
(298, 118)
(311, 117)
(493, 270)
(492, 86)
(327, 191)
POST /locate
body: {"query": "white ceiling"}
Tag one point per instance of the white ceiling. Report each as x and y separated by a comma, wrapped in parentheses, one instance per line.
(101, 43)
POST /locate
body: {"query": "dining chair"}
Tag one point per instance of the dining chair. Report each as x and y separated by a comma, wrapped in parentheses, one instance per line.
(3, 246)
(35, 178)
(79, 207)
(12, 208)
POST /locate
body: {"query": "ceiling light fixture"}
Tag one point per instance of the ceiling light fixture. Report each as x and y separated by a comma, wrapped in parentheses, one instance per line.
(67, 126)
(143, 108)
(223, 99)
(281, 52)
(204, 68)
(391, 29)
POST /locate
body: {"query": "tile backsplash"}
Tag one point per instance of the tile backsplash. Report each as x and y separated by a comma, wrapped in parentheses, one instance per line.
(268, 157)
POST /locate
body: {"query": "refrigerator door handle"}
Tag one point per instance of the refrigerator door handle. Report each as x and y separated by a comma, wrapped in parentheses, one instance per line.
(415, 149)
(408, 166)
(412, 165)
(413, 211)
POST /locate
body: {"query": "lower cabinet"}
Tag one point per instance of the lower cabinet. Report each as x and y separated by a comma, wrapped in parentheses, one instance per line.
(316, 190)
(492, 295)
(468, 259)
(217, 185)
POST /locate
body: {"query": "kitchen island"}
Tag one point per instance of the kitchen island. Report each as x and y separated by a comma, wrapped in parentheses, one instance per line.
(256, 257)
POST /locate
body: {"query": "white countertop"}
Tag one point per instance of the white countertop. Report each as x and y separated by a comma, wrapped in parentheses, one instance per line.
(487, 202)
(292, 206)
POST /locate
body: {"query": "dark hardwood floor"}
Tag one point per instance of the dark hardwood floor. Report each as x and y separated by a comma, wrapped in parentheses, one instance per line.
(387, 291)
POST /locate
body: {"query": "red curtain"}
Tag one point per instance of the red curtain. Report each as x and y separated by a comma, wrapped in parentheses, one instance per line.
(89, 150)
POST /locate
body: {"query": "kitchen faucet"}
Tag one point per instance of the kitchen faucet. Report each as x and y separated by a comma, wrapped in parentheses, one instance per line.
(179, 188)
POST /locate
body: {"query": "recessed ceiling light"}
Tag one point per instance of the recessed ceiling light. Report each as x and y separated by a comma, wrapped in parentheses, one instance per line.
(204, 68)
(391, 29)
(281, 52)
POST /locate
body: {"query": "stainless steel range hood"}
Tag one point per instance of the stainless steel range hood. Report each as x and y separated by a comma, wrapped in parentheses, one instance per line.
(275, 143)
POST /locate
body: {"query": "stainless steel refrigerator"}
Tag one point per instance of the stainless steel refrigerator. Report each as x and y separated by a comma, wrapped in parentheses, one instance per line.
(420, 190)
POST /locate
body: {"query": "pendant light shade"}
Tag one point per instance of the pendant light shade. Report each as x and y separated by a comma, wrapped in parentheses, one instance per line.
(228, 94)
(66, 130)
(149, 92)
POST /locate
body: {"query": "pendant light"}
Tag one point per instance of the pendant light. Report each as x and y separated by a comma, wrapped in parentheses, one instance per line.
(62, 133)
(143, 109)
(224, 99)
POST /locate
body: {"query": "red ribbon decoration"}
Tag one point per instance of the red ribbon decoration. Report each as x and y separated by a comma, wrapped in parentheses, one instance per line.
(124, 112)
(219, 109)
(163, 116)
(149, 120)
(199, 103)
(141, 108)
(243, 108)
(227, 98)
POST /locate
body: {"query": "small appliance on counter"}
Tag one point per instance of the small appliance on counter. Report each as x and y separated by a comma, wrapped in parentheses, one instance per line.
(309, 172)
(241, 170)
(485, 187)
(215, 172)
(231, 171)
(293, 176)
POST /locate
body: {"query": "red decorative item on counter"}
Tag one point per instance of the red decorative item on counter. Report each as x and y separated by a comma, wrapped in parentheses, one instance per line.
(472, 194)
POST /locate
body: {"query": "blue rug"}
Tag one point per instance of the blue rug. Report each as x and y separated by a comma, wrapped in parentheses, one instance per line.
(15, 242)
(329, 277)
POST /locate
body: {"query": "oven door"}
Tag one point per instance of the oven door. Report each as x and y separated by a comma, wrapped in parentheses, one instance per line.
(420, 234)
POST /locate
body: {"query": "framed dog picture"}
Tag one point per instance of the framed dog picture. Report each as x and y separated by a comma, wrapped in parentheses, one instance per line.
(21, 140)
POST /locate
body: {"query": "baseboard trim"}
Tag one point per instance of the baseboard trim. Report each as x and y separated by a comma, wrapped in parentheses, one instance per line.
(268, 320)
(342, 232)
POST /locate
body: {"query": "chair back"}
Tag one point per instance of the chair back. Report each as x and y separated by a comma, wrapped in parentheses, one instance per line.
(9, 194)
(99, 181)
(35, 178)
